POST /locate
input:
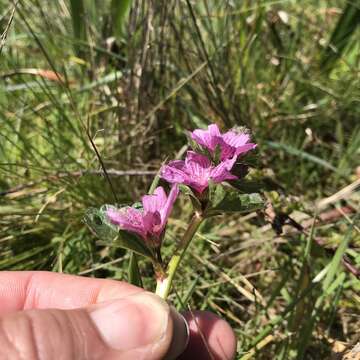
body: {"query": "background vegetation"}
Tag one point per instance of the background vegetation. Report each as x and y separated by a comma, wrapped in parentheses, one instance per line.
(130, 77)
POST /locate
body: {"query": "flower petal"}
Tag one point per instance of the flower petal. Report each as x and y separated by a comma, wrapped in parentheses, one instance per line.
(222, 171)
(193, 157)
(154, 202)
(207, 138)
(173, 172)
(235, 139)
(152, 223)
(245, 148)
(198, 169)
(227, 151)
(166, 210)
(127, 218)
(214, 130)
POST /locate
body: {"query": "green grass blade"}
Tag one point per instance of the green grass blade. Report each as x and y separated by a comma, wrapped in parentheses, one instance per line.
(302, 154)
(77, 10)
(342, 34)
(336, 261)
(331, 282)
(119, 10)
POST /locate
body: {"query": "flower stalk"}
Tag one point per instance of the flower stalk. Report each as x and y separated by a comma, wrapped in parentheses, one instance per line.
(141, 227)
(164, 283)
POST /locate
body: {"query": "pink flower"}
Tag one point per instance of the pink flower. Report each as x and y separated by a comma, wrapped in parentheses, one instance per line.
(196, 171)
(150, 221)
(231, 143)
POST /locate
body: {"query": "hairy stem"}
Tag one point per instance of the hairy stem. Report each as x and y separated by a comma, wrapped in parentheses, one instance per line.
(164, 283)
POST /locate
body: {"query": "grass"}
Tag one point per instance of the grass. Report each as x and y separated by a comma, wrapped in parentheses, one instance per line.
(134, 84)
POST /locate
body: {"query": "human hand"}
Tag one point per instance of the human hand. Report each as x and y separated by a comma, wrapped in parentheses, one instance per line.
(55, 316)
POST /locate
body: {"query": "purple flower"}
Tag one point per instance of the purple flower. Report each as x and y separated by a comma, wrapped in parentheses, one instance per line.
(150, 221)
(196, 171)
(232, 143)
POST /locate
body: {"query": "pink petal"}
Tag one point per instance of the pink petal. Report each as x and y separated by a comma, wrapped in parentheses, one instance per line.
(229, 163)
(166, 210)
(222, 171)
(198, 168)
(178, 164)
(227, 151)
(127, 218)
(198, 175)
(207, 138)
(152, 223)
(193, 157)
(156, 201)
(235, 139)
(202, 137)
(245, 148)
(214, 130)
(173, 172)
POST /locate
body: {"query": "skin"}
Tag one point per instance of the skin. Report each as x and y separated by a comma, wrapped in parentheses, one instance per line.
(48, 315)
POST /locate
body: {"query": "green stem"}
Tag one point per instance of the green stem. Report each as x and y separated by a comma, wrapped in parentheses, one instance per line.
(164, 283)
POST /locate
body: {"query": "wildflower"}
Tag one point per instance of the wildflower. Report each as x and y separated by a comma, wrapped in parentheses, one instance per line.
(196, 171)
(150, 221)
(232, 143)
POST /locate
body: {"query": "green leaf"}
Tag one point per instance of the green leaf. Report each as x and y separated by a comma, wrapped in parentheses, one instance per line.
(134, 273)
(225, 199)
(216, 194)
(119, 11)
(154, 183)
(111, 235)
(249, 186)
(95, 219)
(186, 190)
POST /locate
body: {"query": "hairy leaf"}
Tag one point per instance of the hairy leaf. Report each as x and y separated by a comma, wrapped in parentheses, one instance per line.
(226, 199)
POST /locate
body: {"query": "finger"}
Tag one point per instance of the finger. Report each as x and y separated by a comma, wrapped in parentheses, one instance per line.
(40, 290)
(209, 334)
(139, 326)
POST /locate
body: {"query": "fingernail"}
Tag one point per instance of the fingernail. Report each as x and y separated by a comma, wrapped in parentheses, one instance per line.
(133, 322)
(180, 337)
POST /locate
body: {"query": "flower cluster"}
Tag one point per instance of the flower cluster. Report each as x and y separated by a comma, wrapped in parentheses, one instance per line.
(196, 171)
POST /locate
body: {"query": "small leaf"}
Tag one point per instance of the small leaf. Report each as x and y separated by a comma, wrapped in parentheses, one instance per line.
(225, 199)
(216, 194)
(248, 186)
(97, 221)
(154, 183)
(186, 190)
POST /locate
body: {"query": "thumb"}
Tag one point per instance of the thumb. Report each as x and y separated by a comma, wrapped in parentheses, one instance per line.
(140, 326)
